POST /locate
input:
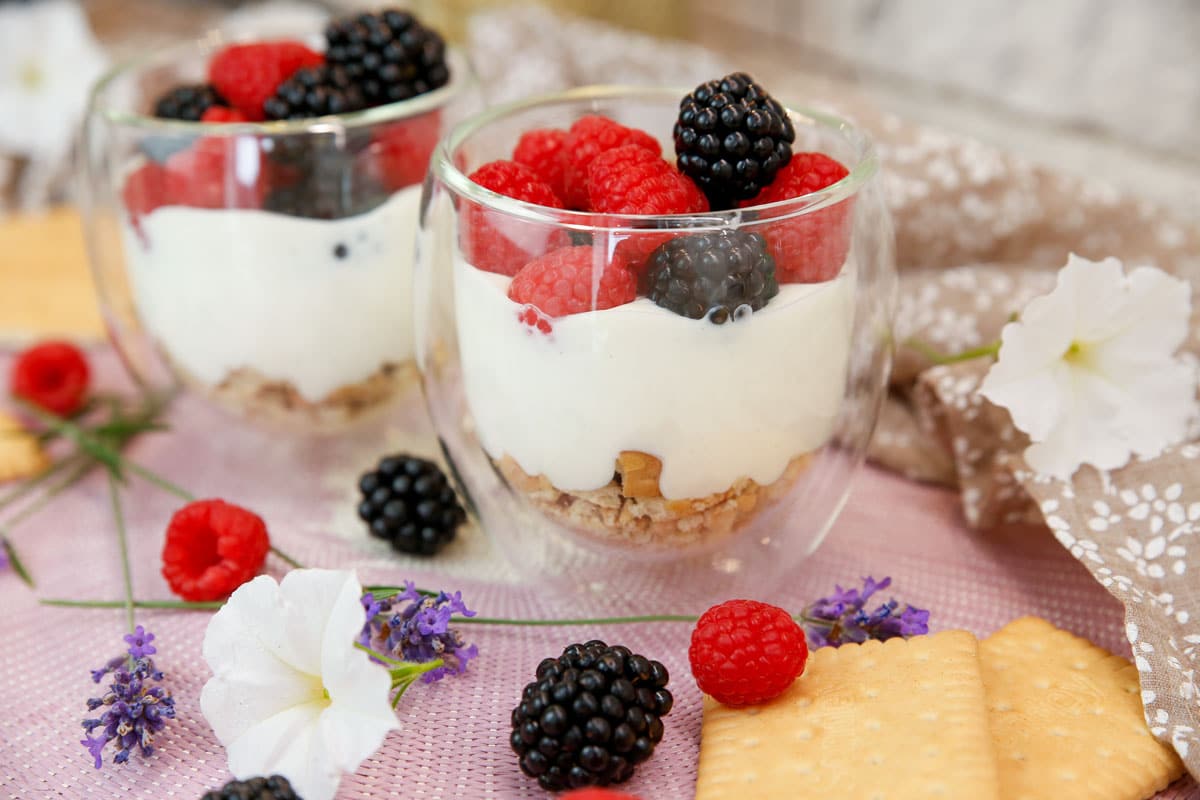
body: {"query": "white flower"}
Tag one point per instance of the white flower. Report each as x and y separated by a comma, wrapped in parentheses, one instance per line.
(290, 693)
(1089, 371)
(48, 62)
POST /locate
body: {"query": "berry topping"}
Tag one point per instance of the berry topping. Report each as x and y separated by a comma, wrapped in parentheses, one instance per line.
(590, 717)
(745, 652)
(589, 137)
(712, 274)
(400, 152)
(732, 137)
(314, 92)
(408, 501)
(188, 102)
(811, 247)
(560, 283)
(496, 242)
(211, 548)
(598, 793)
(633, 180)
(223, 114)
(247, 74)
(275, 787)
(390, 56)
(542, 151)
(53, 376)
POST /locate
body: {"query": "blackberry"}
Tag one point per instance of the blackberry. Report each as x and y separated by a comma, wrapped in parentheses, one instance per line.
(275, 787)
(187, 102)
(391, 56)
(408, 501)
(323, 177)
(592, 715)
(314, 92)
(731, 137)
(711, 274)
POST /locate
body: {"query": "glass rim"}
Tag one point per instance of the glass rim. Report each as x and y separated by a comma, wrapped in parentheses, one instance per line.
(462, 78)
(443, 167)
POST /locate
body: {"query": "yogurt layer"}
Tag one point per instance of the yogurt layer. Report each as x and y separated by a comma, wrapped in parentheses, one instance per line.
(714, 403)
(317, 303)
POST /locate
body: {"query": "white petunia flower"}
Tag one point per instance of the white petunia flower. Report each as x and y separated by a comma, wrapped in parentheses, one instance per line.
(1089, 370)
(48, 62)
(290, 693)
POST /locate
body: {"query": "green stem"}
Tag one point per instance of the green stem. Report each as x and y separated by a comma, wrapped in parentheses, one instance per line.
(122, 542)
(291, 562)
(178, 605)
(14, 561)
(77, 474)
(940, 358)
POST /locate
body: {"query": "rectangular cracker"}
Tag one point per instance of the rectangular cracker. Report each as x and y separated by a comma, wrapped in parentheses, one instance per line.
(1067, 718)
(896, 720)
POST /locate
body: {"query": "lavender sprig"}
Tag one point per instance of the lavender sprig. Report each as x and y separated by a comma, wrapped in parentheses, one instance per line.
(415, 627)
(843, 618)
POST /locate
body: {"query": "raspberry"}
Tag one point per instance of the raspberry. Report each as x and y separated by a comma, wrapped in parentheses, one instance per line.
(247, 74)
(495, 242)
(812, 247)
(589, 137)
(542, 151)
(400, 153)
(560, 283)
(53, 376)
(745, 652)
(223, 114)
(597, 793)
(211, 548)
(145, 190)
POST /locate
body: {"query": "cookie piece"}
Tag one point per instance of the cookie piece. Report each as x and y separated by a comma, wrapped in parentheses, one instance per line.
(1067, 719)
(896, 720)
(21, 454)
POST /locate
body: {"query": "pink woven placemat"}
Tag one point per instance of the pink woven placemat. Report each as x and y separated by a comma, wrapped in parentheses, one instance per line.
(453, 743)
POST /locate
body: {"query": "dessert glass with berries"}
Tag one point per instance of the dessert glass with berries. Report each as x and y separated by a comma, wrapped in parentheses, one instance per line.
(251, 209)
(653, 328)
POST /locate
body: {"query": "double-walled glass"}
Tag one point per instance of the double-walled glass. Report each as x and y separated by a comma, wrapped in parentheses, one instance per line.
(266, 266)
(632, 450)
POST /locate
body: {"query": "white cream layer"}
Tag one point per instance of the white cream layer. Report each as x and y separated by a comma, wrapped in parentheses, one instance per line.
(222, 289)
(714, 403)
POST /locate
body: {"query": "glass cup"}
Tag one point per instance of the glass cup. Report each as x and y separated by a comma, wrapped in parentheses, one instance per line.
(633, 452)
(266, 266)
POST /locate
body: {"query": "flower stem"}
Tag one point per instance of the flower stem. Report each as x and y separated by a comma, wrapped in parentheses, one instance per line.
(178, 605)
(15, 562)
(82, 468)
(119, 519)
(940, 358)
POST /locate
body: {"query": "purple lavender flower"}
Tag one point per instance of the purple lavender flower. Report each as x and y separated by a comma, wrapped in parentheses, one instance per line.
(842, 617)
(412, 627)
(137, 708)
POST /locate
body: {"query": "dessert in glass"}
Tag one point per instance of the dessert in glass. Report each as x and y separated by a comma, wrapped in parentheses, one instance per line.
(251, 210)
(654, 334)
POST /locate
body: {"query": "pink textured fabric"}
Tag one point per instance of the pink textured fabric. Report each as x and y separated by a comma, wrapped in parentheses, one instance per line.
(454, 738)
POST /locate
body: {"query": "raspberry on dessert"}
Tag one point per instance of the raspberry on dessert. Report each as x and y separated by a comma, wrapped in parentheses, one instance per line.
(496, 242)
(711, 275)
(211, 548)
(390, 56)
(53, 376)
(560, 283)
(314, 92)
(399, 155)
(409, 502)
(145, 190)
(633, 180)
(587, 138)
(206, 175)
(189, 102)
(275, 787)
(223, 114)
(542, 151)
(732, 137)
(590, 716)
(811, 247)
(247, 74)
(745, 652)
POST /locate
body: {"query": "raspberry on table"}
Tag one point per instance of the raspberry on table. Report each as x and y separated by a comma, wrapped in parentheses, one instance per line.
(211, 548)
(587, 138)
(53, 376)
(542, 151)
(560, 283)
(808, 248)
(711, 275)
(745, 652)
(598, 793)
(494, 241)
(590, 716)
(247, 74)
(188, 102)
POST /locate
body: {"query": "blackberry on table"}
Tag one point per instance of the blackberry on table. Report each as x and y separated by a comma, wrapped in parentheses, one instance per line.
(391, 56)
(314, 92)
(591, 716)
(275, 787)
(712, 274)
(187, 102)
(731, 137)
(408, 501)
